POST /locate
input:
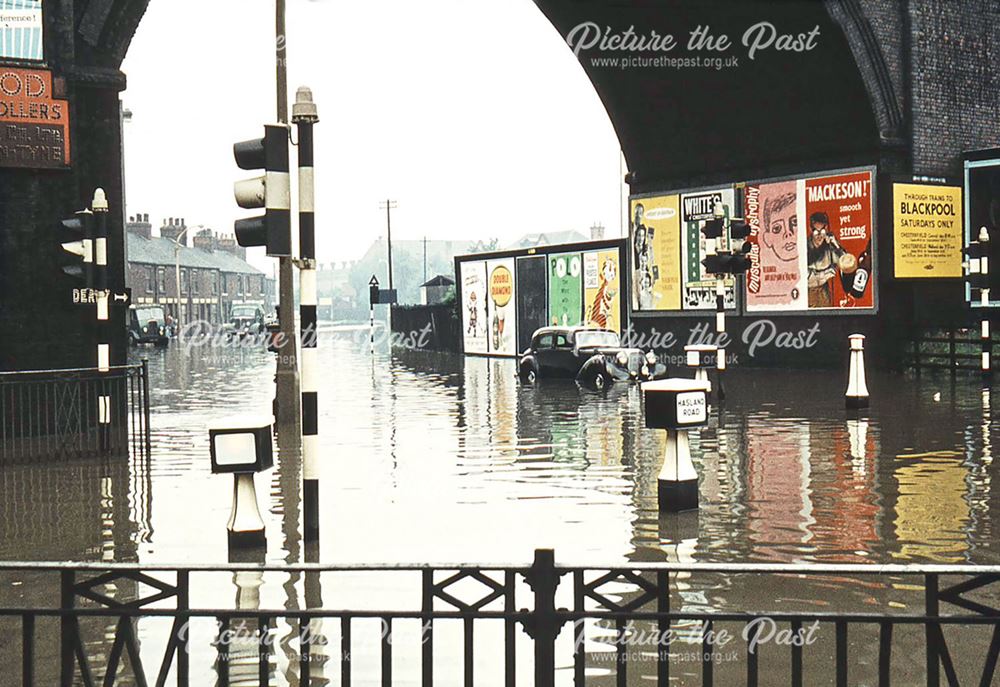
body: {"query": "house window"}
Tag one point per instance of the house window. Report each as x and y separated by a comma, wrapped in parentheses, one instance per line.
(162, 276)
(225, 284)
(149, 280)
(239, 284)
(185, 287)
(215, 283)
(194, 282)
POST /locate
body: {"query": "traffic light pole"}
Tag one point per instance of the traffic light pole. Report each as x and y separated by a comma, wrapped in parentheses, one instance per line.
(287, 417)
(986, 342)
(304, 115)
(100, 209)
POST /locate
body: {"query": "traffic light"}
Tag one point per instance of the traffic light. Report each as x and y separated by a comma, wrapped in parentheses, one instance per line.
(273, 229)
(713, 228)
(76, 235)
(978, 255)
(739, 230)
(735, 262)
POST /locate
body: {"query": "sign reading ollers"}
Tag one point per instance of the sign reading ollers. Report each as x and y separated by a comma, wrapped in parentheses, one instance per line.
(34, 126)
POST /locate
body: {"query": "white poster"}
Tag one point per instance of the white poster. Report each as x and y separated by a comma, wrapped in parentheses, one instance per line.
(21, 30)
(501, 306)
(474, 295)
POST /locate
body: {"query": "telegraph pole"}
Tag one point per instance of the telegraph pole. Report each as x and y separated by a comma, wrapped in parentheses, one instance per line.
(288, 382)
(389, 206)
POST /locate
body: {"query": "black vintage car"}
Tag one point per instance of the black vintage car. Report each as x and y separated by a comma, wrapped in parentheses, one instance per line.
(147, 324)
(592, 356)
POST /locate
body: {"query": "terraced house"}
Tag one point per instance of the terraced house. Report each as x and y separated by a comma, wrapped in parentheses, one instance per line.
(214, 273)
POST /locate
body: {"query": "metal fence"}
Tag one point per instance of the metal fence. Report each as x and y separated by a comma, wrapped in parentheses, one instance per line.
(549, 624)
(54, 413)
(947, 349)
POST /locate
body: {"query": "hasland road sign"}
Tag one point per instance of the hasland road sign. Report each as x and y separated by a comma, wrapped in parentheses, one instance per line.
(34, 126)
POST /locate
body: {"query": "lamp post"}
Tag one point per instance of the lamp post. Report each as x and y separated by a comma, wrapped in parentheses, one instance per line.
(177, 271)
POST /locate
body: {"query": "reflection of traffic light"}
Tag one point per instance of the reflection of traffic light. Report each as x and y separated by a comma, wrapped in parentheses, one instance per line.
(273, 229)
(76, 235)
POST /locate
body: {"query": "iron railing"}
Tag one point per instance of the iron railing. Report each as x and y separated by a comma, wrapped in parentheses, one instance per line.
(860, 624)
(947, 349)
(48, 414)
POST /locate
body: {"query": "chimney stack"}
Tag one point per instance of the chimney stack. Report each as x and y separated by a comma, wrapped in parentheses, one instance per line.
(172, 229)
(139, 226)
(205, 239)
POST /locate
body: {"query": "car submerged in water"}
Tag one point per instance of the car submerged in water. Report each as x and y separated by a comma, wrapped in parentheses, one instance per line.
(594, 357)
(245, 319)
(147, 324)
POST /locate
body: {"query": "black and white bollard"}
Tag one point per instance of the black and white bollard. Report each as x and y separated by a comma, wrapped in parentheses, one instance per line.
(857, 388)
(304, 115)
(986, 363)
(99, 206)
(243, 448)
(700, 357)
(676, 405)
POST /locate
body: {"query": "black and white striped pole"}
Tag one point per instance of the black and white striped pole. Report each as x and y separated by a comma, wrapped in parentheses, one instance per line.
(373, 292)
(986, 365)
(304, 116)
(978, 277)
(99, 205)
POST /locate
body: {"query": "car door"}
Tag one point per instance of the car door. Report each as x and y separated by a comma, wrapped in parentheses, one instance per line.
(564, 361)
(542, 349)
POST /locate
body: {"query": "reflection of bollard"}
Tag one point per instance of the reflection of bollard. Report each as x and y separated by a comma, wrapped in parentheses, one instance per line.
(243, 449)
(857, 388)
(676, 405)
(679, 535)
(701, 357)
(242, 643)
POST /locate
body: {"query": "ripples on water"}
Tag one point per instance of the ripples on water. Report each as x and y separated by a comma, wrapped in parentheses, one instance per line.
(439, 458)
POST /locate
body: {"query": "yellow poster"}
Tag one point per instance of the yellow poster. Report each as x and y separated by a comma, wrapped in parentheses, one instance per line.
(655, 239)
(602, 290)
(927, 230)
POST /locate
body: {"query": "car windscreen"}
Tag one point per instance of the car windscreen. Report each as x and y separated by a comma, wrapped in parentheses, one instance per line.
(246, 313)
(145, 315)
(593, 339)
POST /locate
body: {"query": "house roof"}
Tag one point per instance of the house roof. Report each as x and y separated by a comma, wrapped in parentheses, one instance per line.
(547, 238)
(160, 251)
(439, 280)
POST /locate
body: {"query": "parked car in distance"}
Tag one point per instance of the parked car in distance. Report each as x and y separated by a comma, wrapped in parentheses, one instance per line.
(245, 319)
(594, 357)
(147, 324)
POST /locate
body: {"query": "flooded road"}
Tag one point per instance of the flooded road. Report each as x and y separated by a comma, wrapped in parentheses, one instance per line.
(437, 458)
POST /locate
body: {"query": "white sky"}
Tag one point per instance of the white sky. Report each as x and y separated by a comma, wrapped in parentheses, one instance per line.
(474, 116)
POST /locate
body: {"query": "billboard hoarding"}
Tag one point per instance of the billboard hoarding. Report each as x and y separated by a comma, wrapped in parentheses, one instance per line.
(776, 279)
(565, 289)
(926, 231)
(501, 306)
(21, 30)
(698, 285)
(602, 289)
(474, 295)
(654, 239)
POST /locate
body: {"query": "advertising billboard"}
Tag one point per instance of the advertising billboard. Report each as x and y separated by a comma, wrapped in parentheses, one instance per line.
(602, 289)
(699, 285)
(531, 298)
(21, 30)
(655, 245)
(565, 289)
(501, 307)
(926, 231)
(474, 295)
(811, 244)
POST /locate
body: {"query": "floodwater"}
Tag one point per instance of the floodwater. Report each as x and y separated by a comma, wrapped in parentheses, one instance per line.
(437, 458)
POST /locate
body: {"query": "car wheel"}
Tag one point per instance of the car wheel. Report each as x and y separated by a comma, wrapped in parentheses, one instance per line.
(528, 374)
(600, 380)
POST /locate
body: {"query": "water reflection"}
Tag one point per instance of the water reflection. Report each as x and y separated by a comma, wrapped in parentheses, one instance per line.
(432, 457)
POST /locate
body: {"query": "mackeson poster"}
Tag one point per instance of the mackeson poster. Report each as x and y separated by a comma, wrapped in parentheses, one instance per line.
(810, 244)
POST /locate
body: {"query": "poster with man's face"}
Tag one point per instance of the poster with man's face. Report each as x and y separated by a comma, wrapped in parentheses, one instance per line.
(776, 278)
